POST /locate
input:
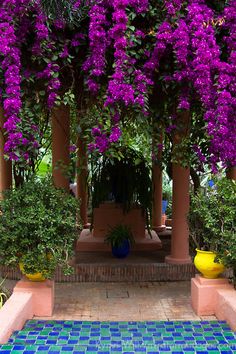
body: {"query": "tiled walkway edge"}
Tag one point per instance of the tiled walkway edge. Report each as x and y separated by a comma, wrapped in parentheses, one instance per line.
(214, 297)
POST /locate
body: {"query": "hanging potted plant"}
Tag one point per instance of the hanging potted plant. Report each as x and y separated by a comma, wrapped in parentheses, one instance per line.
(121, 239)
(124, 178)
(211, 219)
(38, 229)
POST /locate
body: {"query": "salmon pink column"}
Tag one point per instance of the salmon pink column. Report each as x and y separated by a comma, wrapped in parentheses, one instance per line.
(180, 208)
(180, 199)
(60, 146)
(157, 182)
(157, 198)
(5, 166)
(82, 173)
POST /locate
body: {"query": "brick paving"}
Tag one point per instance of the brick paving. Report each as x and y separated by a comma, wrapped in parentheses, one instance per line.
(124, 302)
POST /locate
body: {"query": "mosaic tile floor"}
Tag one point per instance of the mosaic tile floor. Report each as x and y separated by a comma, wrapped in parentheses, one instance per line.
(83, 337)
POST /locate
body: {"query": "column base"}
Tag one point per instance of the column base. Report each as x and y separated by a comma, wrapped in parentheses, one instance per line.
(159, 228)
(87, 226)
(173, 260)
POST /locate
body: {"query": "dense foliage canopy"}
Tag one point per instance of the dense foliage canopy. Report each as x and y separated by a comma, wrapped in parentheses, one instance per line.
(156, 58)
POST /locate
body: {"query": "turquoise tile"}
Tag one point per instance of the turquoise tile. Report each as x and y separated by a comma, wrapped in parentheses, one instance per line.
(120, 337)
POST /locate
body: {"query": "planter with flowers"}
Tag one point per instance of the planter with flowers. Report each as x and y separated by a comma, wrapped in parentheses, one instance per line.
(38, 229)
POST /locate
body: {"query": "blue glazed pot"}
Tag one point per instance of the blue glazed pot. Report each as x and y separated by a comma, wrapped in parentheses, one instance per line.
(164, 206)
(122, 251)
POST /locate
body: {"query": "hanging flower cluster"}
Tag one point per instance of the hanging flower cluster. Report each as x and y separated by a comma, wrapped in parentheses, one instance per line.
(163, 39)
(185, 30)
(123, 89)
(103, 138)
(119, 90)
(95, 63)
(45, 48)
(10, 63)
(199, 63)
(215, 95)
(14, 28)
(172, 6)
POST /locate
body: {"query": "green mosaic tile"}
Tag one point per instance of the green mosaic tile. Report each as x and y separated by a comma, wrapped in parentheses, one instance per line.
(62, 342)
(6, 347)
(131, 335)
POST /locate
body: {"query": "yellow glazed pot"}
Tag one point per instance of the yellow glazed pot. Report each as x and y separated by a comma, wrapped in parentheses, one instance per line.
(204, 262)
(32, 277)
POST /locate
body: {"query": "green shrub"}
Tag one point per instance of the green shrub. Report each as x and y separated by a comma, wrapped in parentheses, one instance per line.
(38, 227)
(212, 220)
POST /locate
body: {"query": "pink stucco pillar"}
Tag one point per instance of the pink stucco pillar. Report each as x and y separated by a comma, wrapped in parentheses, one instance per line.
(60, 146)
(5, 166)
(180, 207)
(82, 174)
(180, 198)
(157, 182)
(157, 198)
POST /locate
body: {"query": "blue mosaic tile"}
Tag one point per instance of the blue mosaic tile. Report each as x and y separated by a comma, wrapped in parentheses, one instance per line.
(58, 337)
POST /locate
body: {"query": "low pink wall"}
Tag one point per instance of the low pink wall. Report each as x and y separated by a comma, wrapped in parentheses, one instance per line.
(226, 306)
(14, 313)
(29, 299)
(42, 295)
(214, 297)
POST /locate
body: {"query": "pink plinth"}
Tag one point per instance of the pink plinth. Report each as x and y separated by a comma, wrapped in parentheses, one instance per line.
(173, 260)
(160, 228)
(203, 294)
(43, 295)
(214, 297)
(29, 299)
(111, 214)
(88, 243)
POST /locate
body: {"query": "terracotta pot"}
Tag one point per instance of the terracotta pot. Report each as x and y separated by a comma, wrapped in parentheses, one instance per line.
(163, 219)
(205, 263)
(168, 222)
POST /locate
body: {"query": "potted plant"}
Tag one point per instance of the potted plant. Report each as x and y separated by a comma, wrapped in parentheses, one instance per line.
(212, 219)
(123, 177)
(38, 228)
(120, 238)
